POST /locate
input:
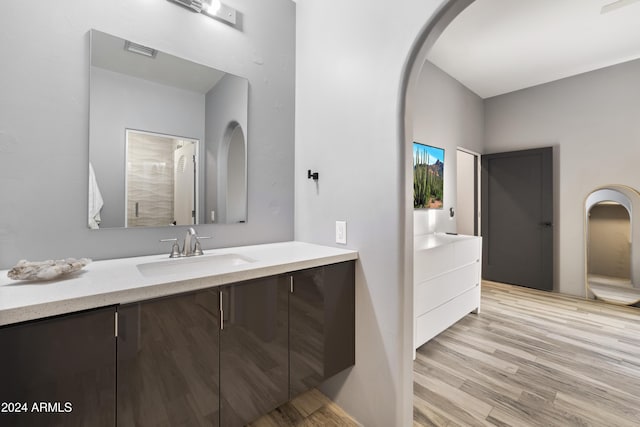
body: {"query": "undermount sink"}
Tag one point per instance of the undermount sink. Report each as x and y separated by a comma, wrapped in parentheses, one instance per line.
(203, 264)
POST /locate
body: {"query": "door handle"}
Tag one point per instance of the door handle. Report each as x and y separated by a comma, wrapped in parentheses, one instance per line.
(546, 224)
(221, 312)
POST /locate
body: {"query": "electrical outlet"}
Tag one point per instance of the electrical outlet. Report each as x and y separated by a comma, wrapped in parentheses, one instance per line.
(341, 232)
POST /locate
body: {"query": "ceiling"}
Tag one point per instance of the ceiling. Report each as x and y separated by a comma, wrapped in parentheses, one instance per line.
(499, 46)
(108, 52)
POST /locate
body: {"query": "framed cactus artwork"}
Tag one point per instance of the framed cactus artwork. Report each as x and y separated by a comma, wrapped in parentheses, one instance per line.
(428, 176)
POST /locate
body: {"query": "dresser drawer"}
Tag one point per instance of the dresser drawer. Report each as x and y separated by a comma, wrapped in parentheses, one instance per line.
(437, 320)
(437, 291)
(436, 261)
(442, 259)
(466, 251)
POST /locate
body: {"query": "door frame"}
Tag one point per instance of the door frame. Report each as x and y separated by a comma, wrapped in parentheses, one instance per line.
(477, 203)
(549, 216)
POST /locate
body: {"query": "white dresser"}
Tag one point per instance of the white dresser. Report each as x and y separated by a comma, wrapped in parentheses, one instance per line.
(446, 278)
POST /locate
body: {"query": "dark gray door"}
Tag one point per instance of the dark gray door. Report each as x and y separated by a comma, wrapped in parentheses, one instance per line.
(517, 218)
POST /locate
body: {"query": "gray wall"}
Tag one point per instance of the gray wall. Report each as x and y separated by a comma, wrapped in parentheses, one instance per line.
(350, 60)
(447, 115)
(120, 102)
(44, 114)
(226, 103)
(591, 120)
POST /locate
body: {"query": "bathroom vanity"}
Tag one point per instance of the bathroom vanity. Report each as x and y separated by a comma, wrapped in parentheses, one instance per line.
(446, 277)
(219, 342)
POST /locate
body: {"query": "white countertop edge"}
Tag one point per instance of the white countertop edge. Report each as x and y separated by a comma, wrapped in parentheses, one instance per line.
(159, 287)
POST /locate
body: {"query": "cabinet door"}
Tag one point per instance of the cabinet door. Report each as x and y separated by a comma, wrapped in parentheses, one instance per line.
(59, 371)
(254, 358)
(168, 361)
(322, 324)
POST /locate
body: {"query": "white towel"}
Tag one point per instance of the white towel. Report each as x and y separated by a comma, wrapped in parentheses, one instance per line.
(95, 200)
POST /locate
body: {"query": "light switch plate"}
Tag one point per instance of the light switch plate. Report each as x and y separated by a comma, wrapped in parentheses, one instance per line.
(341, 232)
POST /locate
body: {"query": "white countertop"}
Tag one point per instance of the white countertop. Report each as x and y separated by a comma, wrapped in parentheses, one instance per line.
(118, 281)
(430, 241)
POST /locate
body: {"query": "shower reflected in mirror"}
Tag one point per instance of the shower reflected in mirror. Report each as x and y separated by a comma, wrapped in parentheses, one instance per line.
(161, 182)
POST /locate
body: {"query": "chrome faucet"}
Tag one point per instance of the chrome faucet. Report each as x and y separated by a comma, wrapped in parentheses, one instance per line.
(190, 243)
(190, 246)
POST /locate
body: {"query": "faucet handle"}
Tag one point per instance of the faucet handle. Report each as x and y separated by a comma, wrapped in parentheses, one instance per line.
(175, 248)
(198, 248)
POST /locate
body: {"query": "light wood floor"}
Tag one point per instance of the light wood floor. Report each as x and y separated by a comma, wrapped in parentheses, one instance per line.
(311, 409)
(529, 358)
(532, 358)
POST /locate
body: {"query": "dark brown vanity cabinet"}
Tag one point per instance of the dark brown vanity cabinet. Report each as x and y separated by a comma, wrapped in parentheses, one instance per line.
(59, 371)
(282, 336)
(254, 349)
(321, 324)
(222, 356)
(168, 366)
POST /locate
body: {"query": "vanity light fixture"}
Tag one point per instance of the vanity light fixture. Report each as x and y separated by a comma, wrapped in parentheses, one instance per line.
(211, 8)
(140, 49)
(610, 7)
(195, 5)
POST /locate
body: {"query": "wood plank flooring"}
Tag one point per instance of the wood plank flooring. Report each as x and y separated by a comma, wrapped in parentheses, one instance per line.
(311, 409)
(532, 358)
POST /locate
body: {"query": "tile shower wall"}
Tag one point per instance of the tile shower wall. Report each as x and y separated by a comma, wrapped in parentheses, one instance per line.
(149, 180)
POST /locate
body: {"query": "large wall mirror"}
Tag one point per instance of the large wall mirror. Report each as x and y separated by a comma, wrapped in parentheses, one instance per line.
(612, 239)
(167, 139)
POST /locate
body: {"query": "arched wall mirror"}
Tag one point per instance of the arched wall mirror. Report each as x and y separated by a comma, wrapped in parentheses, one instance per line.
(612, 244)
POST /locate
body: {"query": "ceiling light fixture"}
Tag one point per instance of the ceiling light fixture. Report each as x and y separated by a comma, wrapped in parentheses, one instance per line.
(140, 49)
(211, 8)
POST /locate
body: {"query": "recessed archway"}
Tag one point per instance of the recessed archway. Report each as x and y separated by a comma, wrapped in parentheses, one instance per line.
(232, 176)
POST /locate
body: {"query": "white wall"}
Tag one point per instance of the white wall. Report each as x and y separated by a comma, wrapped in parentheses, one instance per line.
(591, 120)
(350, 58)
(44, 83)
(120, 102)
(447, 115)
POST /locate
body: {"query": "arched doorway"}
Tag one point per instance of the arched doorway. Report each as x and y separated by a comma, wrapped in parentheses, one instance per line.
(411, 72)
